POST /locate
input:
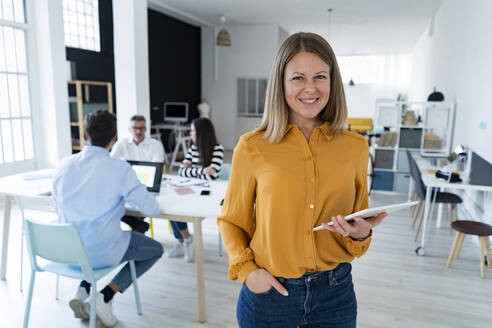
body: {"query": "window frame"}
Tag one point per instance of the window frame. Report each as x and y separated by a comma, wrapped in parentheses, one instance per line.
(258, 85)
(26, 163)
(96, 27)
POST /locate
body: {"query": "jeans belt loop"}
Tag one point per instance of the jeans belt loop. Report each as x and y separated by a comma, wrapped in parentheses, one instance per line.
(331, 277)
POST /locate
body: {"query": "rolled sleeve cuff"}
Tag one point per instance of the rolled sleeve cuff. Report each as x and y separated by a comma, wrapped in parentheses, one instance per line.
(245, 270)
(358, 248)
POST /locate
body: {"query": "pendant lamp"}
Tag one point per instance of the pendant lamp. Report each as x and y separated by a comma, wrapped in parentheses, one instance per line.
(223, 38)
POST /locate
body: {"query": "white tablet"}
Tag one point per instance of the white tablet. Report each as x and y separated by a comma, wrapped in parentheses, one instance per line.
(370, 212)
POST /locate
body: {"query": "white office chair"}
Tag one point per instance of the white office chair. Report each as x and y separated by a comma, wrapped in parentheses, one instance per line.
(26, 205)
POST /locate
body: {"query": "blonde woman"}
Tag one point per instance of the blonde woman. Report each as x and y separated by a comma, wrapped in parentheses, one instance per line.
(298, 169)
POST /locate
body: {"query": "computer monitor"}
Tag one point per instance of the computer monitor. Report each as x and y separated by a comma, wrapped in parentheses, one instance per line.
(176, 112)
(149, 173)
(480, 171)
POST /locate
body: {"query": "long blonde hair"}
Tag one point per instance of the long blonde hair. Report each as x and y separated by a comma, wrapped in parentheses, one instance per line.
(276, 113)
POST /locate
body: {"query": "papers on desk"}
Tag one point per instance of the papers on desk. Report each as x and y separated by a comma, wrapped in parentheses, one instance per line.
(37, 176)
(184, 191)
(185, 182)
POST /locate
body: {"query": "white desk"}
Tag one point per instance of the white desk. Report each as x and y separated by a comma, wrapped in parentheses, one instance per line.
(182, 139)
(430, 182)
(191, 208)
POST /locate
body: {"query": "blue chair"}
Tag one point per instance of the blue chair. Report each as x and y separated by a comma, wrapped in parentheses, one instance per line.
(38, 204)
(62, 245)
(225, 172)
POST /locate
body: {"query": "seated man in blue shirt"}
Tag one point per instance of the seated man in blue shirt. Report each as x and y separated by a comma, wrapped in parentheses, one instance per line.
(90, 190)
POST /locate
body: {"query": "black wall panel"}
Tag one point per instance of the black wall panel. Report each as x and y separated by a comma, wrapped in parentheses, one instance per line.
(174, 64)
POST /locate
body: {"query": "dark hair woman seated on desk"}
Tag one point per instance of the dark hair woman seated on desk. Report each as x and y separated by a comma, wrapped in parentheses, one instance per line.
(203, 161)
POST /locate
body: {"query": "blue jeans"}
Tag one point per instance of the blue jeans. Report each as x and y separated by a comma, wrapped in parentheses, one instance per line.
(177, 227)
(145, 252)
(319, 299)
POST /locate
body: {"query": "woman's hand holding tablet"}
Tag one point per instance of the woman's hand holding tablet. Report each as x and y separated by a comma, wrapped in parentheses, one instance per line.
(358, 225)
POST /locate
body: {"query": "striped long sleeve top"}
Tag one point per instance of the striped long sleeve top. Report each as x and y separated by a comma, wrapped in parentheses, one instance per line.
(196, 171)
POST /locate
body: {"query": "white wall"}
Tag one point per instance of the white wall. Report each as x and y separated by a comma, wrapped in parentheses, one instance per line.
(282, 35)
(361, 98)
(456, 59)
(375, 76)
(251, 55)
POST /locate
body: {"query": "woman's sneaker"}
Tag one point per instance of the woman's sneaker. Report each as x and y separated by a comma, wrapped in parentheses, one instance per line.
(178, 250)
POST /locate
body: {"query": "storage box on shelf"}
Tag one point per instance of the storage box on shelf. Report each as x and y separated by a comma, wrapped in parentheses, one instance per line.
(421, 127)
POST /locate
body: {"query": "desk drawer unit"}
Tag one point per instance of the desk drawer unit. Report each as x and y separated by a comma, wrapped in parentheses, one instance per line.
(402, 181)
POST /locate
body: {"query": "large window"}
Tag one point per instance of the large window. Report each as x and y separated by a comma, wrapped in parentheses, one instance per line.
(81, 24)
(389, 69)
(16, 142)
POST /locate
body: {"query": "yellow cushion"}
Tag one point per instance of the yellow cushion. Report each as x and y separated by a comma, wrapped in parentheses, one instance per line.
(359, 124)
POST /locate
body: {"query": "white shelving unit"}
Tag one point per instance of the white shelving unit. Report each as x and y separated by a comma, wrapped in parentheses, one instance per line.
(431, 136)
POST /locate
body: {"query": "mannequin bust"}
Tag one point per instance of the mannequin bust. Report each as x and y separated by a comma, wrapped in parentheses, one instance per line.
(204, 109)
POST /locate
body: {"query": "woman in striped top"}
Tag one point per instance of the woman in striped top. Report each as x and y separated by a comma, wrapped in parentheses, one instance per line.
(203, 161)
(205, 156)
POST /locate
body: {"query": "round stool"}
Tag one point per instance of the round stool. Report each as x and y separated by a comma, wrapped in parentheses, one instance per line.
(482, 230)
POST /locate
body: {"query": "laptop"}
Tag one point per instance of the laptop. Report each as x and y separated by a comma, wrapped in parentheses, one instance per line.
(149, 173)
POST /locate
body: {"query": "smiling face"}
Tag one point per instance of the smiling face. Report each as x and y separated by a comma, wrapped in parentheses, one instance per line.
(306, 87)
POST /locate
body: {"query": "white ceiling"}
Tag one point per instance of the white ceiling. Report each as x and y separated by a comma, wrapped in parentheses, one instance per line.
(357, 26)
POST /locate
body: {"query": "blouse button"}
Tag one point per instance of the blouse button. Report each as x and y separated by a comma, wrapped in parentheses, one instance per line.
(311, 205)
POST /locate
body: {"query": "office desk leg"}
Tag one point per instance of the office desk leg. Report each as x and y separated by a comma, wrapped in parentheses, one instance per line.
(428, 203)
(431, 210)
(5, 236)
(199, 270)
(439, 215)
(411, 189)
(439, 212)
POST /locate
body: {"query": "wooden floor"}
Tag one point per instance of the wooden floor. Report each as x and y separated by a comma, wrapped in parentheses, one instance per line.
(395, 288)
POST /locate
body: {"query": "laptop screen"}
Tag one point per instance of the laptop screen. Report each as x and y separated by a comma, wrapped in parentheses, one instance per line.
(149, 173)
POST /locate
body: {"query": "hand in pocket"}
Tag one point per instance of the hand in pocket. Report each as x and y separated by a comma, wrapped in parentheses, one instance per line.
(260, 281)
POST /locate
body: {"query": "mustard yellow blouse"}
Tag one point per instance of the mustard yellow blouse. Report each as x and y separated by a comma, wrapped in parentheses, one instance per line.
(278, 192)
